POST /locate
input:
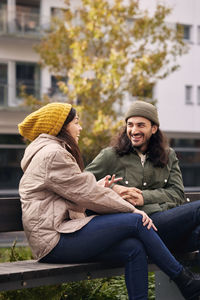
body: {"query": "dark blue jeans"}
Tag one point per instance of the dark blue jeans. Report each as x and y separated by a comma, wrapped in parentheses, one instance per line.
(120, 238)
(180, 226)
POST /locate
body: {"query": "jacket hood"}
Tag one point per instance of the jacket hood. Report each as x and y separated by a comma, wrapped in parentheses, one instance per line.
(40, 142)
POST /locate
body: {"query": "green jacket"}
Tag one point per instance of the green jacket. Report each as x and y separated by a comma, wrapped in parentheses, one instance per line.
(162, 188)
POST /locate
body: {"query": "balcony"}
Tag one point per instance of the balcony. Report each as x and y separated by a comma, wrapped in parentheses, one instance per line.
(27, 22)
(20, 24)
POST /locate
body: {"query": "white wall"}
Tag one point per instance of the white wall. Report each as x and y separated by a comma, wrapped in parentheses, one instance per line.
(18, 50)
(175, 115)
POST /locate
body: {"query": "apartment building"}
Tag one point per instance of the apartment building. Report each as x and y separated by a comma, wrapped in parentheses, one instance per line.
(179, 94)
(22, 22)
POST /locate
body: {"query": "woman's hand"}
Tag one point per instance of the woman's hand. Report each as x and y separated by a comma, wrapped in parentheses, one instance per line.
(130, 194)
(107, 181)
(145, 219)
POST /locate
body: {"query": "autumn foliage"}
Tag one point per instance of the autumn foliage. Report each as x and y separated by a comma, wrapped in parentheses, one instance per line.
(108, 49)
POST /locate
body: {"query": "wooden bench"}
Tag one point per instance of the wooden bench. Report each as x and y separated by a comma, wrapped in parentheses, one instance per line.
(26, 274)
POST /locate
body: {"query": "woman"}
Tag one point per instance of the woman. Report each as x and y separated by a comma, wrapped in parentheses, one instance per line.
(55, 194)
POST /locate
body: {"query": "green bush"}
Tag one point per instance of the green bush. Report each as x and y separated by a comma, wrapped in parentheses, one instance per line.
(113, 288)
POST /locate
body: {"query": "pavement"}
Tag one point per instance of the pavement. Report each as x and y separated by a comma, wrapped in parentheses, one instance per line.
(7, 239)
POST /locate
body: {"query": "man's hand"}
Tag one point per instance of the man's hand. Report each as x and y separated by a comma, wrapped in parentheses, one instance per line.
(130, 194)
(134, 198)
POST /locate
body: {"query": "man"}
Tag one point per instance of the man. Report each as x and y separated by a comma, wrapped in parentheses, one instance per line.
(152, 179)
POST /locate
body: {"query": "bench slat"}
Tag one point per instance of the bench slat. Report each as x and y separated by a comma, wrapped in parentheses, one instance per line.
(192, 196)
(25, 274)
(30, 273)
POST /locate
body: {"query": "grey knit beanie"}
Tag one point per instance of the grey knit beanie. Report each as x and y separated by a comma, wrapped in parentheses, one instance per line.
(143, 109)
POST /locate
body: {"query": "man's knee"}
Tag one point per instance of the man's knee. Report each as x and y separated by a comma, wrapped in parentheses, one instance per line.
(137, 250)
(193, 209)
(132, 248)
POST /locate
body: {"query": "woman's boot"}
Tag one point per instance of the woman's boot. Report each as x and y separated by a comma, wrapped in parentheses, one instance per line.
(189, 284)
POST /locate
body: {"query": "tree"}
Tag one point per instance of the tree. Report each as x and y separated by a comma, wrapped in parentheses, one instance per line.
(107, 49)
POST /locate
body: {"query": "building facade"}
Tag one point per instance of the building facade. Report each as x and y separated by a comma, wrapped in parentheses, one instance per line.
(179, 94)
(22, 24)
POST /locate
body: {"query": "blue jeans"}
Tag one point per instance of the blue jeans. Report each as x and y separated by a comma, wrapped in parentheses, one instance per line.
(180, 226)
(120, 238)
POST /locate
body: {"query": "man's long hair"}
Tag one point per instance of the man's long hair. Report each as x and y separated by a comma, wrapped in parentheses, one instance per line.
(158, 147)
(71, 144)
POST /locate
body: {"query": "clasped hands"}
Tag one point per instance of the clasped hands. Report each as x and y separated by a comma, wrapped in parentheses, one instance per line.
(130, 194)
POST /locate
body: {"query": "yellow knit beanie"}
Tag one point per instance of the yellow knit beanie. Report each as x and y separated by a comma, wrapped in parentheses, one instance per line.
(48, 119)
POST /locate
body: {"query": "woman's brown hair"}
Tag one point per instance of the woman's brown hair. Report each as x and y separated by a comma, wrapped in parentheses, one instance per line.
(71, 144)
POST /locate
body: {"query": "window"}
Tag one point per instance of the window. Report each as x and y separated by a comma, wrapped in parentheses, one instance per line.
(188, 94)
(27, 76)
(54, 90)
(186, 31)
(198, 34)
(3, 15)
(188, 152)
(11, 152)
(198, 95)
(3, 3)
(3, 84)
(57, 12)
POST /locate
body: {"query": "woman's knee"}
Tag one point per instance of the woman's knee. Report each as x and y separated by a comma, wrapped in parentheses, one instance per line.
(130, 223)
(133, 218)
(123, 221)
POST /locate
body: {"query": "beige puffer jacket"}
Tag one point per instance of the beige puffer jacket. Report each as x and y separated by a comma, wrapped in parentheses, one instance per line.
(55, 193)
